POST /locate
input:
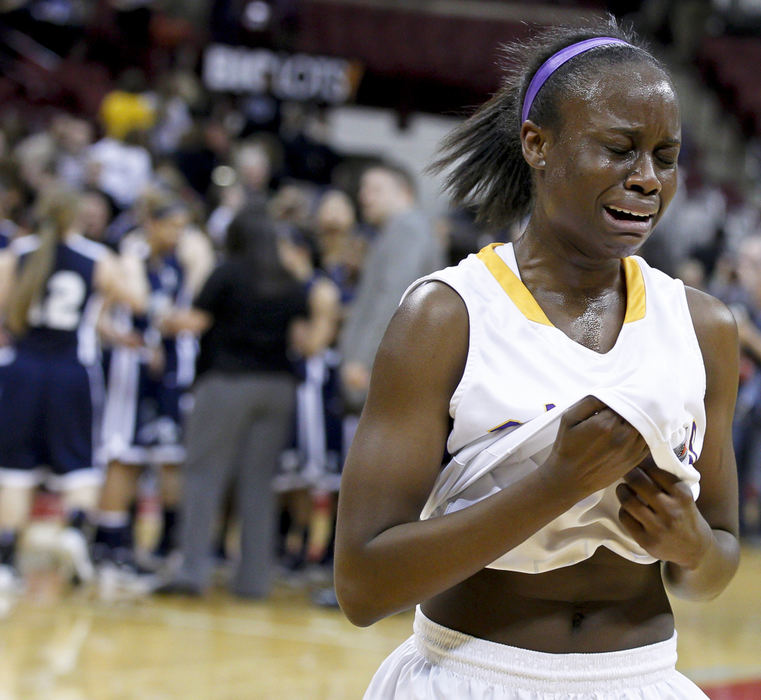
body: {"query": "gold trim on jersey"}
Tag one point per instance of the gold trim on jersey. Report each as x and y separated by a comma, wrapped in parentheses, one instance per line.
(529, 307)
(635, 291)
(512, 284)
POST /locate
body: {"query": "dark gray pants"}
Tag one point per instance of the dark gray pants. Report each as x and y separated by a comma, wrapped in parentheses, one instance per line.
(235, 433)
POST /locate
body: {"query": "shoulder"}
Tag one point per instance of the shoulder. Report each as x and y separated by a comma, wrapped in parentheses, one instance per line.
(104, 147)
(324, 291)
(709, 315)
(7, 261)
(134, 243)
(88, 248)
(194, 242)
(24, 244)
(433, 307)
(716, 331)
(469, 277)
(425, 346)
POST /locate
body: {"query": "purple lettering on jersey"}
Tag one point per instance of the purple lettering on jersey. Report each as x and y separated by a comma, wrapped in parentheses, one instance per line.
(508, 424)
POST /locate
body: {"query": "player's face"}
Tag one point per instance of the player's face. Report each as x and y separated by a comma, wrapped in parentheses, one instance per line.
(611, 165)
(93, 215)
(335, 215)
(167, 230)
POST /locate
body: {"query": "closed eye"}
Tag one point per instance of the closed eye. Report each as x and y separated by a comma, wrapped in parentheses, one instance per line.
(667, 158)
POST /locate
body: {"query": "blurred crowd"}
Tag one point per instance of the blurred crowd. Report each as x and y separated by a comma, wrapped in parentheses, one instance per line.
(242, 273)
(229, 253)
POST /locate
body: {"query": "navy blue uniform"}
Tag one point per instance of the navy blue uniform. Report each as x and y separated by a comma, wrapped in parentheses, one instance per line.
(51, 390)
(144, 410)
(7, 232)
(314, 457)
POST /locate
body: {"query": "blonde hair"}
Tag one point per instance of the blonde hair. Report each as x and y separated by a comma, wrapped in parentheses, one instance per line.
(55, 211)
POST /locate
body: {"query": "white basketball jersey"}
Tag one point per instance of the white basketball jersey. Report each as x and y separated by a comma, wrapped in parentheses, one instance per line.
(522, 372)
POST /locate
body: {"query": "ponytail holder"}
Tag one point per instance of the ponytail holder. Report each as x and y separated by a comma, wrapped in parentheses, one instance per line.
(558, 59)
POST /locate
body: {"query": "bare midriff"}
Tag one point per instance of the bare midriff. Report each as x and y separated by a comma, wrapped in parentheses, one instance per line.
(605, 603)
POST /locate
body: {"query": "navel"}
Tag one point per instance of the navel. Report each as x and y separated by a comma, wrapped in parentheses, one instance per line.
(578, 616)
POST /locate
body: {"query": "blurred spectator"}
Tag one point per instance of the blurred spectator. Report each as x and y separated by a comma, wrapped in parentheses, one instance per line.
(202, 149)
(121, 169)
(95, 215)
(177, 92)
(693, 273)
(307, 154)
(248, 186)
(292, 205)
(74, 138)
(127, 108)
(35, 156)
(56, 153)
(404, 249)
(340, 248)
(746, 307)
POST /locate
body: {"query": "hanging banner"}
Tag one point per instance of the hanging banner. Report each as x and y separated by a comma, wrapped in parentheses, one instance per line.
(299, 77)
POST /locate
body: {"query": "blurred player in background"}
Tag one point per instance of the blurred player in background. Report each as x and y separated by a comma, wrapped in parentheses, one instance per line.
(53, 285)
(149, 373)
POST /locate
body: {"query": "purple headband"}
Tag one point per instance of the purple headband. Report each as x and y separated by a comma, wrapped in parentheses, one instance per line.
(558, 59)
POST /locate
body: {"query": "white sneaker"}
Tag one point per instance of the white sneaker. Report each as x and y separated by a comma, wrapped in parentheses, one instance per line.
(10, 581)
(119, 582)
(73, 549)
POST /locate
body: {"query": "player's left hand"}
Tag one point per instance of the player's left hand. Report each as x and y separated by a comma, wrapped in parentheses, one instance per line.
(660, 514)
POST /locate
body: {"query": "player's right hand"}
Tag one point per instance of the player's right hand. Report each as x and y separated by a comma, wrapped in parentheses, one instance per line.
(594, 448)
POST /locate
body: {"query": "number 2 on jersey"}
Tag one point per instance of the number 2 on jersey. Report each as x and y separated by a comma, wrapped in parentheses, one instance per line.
(61, 307)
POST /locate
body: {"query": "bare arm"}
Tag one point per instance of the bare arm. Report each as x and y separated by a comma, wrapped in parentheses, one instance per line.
(710, 573)
(7, 277)
(697, 542)
(7, 280)
(191, 320)
(122, 280)
(386, 558)
(315, 334)
(196, 255)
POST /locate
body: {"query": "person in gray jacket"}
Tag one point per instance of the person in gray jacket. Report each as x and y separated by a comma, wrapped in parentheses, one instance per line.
(404, 249)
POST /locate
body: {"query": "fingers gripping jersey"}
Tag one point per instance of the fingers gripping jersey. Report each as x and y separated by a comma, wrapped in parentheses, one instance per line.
(522, 372)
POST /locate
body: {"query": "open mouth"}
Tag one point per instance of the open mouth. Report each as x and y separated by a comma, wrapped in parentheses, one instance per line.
(620, 214)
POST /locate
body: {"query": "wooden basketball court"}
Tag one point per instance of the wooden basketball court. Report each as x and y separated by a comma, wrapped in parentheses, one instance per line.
(63, 644)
